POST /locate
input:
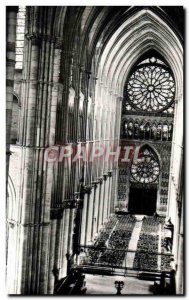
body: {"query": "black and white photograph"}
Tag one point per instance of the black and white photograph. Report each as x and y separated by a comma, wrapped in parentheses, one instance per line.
(95, 164)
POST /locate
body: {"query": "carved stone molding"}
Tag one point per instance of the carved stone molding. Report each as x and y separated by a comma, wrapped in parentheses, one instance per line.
(11, 223)
(36, 39)
(81, 68)
(100, 180)
(87, 189)
(57, 212)
(70, 203)
(95, 183)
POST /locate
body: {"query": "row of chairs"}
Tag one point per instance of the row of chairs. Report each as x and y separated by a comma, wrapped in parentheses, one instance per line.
(151, 224)
(148, 242)
(113, 238)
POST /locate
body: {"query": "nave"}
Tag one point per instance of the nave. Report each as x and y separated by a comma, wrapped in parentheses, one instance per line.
(130, 249)
(118, 245)
(94, 127)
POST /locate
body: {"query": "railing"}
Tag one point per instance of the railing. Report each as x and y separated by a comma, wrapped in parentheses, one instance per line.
(124, 259)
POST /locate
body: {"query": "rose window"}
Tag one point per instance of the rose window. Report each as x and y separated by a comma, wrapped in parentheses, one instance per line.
(151, 87)
(147, 170)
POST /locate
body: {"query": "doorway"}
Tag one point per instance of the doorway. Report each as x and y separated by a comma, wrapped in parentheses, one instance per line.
(142, 201)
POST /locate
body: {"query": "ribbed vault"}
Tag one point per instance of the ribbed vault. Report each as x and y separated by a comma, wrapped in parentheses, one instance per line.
(143, 31)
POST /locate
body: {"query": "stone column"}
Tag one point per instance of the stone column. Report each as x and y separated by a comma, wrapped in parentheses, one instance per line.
(180, 266)
(11, 18)
(114, 190)
(59, 243)
(71, 230)
(109, 193)
(83, 219)
(33, 217)
(101, 199)
(35, 236)
(96, 209)
(51, 277)
(12, 257)
(63, 270)
(105, 198)
(90, 216)
(56, 87)
(180, 255)
(127, 189)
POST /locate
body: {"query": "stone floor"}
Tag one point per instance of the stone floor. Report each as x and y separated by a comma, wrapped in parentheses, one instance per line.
(105, 285)
(133, 242)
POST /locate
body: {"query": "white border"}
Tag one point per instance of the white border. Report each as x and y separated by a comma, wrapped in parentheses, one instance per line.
(4, 3)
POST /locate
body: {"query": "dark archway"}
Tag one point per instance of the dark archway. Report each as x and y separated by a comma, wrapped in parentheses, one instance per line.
(143, 200)
(144, 182)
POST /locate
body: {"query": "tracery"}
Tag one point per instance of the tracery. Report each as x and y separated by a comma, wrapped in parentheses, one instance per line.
(151, 86)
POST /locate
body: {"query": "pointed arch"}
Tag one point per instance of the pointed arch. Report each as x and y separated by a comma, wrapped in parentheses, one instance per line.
(140, 33)
(150, 146)
(146, 170)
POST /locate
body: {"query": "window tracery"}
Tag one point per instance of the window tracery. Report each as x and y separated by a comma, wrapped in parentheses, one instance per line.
(146, 170)
(151, 87)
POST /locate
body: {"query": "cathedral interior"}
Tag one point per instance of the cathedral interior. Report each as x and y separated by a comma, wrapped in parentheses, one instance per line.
(80, 77)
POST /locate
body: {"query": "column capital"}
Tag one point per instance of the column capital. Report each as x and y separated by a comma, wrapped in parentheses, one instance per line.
(35, 39)
(78, 200)
(87, 189)
(100, 180)
(70, 203)
(95, 183)
(81, 68)
(11, 223)
(105, 175)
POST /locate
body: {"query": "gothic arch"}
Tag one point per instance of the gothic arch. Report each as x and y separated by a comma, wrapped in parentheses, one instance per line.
(145, 30)
(142, 32)
(15, 96)
(154, 150)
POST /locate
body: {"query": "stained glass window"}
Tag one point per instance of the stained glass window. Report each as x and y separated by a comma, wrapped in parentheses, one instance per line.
(146, 170)
(151, 86)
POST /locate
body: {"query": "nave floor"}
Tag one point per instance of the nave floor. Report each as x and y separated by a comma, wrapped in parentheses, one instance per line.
(141, 235)
(105, 285)
(133, 242)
